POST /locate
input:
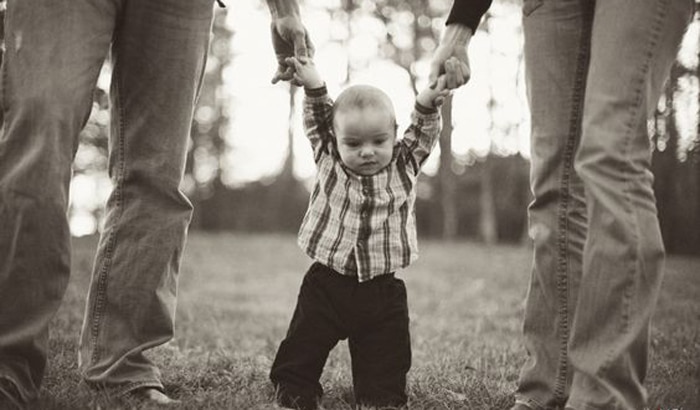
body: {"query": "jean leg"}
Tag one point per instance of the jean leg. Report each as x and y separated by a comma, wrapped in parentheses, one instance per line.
(54, 52)
(380, 347)
(159, 53)
(314, 330)
(556, 56)
(633, 45)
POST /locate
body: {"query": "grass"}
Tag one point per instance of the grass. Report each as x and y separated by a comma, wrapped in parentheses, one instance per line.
(237, 293)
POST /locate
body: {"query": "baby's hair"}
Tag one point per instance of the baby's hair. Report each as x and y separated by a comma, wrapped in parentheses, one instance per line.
(358, 97)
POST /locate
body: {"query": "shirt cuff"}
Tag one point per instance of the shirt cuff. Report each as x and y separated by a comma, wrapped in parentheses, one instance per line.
(316, 92)
(426, 111)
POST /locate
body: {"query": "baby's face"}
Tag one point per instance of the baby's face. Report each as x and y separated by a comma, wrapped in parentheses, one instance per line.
(365, 139)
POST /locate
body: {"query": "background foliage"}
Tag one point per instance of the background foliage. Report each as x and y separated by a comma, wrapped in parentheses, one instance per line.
(479, 192)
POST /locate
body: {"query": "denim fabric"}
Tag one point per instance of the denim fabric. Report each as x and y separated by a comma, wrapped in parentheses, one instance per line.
(594, 73)
(54, 51)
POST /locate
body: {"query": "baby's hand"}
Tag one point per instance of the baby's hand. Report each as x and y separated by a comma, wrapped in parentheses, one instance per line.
(305, 73)
(434, 97)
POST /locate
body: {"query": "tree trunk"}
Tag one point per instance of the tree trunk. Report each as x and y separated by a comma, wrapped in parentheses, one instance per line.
(445, 175)
(694, 157)
(287, 172)
(488, 224)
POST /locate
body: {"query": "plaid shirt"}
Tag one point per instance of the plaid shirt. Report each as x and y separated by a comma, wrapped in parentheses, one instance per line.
(363, 225)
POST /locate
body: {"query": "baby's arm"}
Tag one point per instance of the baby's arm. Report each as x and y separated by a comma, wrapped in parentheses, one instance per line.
(318, 113)
(318, 106)
(420, 137)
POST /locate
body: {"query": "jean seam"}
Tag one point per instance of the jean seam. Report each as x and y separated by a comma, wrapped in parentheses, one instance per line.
(100, 290)
(529, 6)
(565, 193)
(5, 82)
(137, 385)
(3, 90)
(660, 14)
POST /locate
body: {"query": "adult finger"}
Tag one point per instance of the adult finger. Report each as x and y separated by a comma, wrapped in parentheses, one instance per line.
(459, 73)
(283, 73)
(293, 62)
(301, 52)
(455, 78)
(465, 71)
(450, 75)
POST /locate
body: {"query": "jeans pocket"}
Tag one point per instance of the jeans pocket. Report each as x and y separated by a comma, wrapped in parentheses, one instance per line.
(531, 5)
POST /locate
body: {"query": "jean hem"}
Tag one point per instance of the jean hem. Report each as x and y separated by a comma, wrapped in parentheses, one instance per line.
(291, 398)
(532, 404)
(124, 390)
(576, 405)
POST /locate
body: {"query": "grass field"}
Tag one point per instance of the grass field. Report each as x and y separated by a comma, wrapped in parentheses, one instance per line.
(237, 293)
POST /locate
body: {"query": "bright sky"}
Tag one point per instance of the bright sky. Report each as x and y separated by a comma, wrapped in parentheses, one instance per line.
(260, 114)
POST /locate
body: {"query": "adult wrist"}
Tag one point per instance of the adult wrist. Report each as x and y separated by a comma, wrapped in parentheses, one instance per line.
(283, 8)
(457, 34)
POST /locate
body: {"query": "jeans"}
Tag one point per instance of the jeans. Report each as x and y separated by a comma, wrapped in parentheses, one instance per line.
(594, 71)
(372, 315)
(54, 51)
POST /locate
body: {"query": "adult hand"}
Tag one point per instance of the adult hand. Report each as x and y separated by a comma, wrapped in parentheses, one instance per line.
(454, 43)
(289, 39)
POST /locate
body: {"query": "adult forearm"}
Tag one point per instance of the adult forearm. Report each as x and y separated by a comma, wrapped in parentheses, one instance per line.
(283, 8)
(468, 12)
(457, 35)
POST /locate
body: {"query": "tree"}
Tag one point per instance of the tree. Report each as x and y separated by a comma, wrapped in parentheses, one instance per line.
(203, 169)
(446, 177)
(676, 166)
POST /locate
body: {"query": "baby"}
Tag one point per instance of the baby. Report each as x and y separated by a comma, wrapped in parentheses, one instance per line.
(360, 229)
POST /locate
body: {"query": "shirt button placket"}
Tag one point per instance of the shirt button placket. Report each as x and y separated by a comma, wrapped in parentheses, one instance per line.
(365, 194)
(365, 186)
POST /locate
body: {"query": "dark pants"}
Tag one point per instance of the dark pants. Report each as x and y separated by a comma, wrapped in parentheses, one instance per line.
(373, 315)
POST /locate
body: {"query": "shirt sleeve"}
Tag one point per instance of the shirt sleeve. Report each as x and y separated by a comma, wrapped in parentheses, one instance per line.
(318, 120)
(420, 137)
(468, 12)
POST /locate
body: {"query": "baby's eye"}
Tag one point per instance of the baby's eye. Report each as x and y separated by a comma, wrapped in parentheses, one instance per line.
(352, 144)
